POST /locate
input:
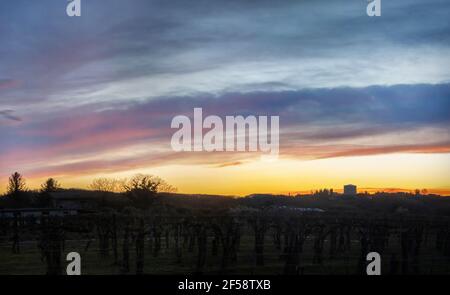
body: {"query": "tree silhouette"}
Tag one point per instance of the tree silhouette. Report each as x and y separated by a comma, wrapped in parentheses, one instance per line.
(148, 183)
(17, 191)
(16, 184)
(104, 184)
(142, 189)
(50, 185)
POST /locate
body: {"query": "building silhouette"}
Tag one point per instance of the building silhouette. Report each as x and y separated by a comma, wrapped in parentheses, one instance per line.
(350, 190)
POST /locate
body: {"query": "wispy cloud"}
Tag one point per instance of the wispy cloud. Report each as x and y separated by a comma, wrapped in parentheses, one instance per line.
(8, 114)
(316, 123)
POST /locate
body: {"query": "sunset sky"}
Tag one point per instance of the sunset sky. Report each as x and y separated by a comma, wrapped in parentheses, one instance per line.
(362, 100)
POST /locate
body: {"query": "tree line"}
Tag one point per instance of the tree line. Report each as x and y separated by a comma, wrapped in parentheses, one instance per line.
(141, 189)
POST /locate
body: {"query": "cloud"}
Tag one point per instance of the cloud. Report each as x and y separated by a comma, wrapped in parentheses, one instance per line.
(443, 147)
(353, 150)
(7, 114)
(229, 164)
(315, 123)
(153, 49)
(8, 83)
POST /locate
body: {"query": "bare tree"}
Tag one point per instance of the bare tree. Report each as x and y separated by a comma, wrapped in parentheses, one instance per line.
(149, 183)
(104, 184)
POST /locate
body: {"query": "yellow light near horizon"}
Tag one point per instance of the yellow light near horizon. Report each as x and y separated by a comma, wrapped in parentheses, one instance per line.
(406, 171)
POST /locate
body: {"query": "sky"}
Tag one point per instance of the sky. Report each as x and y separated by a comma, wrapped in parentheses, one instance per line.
(362, 100)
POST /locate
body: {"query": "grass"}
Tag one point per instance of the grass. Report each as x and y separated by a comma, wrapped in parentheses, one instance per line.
(28, 261)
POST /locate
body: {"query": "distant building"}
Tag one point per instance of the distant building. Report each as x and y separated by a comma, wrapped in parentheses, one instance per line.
(350, 190)
(35, 212)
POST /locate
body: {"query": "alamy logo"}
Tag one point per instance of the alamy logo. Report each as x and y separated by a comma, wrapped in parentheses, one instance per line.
(374, 267)
(74, 267)
(234, 139)
(74, 8)
(374, 8)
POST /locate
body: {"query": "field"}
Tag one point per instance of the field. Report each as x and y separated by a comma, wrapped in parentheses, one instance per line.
(244, 241)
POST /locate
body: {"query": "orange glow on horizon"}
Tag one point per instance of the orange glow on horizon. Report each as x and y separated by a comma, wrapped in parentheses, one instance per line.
(389, 173)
